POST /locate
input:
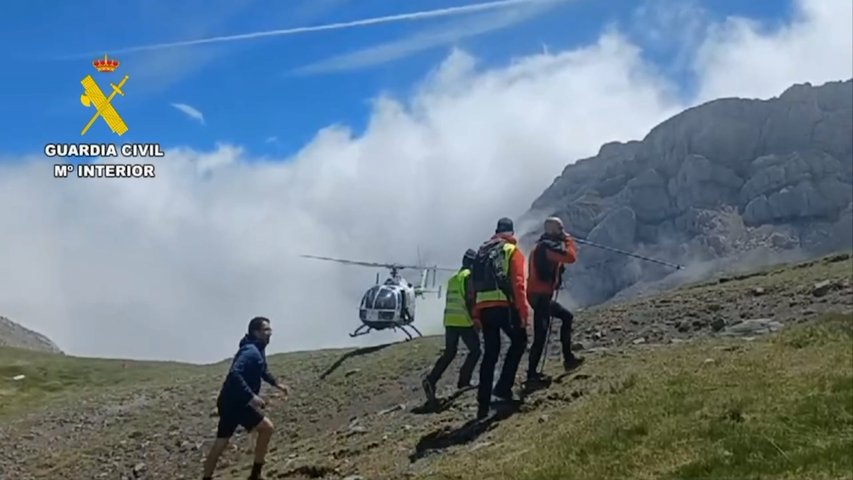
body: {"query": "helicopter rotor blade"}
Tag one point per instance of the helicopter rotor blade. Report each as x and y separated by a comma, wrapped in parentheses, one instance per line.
(352, 262)
(375, 264)
(444, 269)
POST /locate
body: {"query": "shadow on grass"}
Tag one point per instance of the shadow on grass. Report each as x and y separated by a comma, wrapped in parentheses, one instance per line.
(355, 353)
(307, 471)
(468, 432)
(441, 404)
(530, 387)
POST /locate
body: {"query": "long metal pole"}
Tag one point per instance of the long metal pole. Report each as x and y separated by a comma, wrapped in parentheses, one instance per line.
(623, 252)
(547, 335)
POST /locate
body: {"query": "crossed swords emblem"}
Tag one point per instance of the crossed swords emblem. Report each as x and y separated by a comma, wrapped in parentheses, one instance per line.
(93, 96)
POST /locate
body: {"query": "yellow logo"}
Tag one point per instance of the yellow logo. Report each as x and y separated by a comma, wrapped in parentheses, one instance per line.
(93, 96)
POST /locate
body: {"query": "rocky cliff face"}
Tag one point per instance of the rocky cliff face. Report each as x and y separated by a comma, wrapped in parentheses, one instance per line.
(14, 335)
(717, 181)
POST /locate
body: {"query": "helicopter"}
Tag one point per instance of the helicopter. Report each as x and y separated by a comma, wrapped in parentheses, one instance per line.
(391, 304)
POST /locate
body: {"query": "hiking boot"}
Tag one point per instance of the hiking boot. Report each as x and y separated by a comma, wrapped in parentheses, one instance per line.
(256, 472)
(503, 396)
(535, 382)
(429, 389)
(482, 412)
(573, 363)
(536, 377)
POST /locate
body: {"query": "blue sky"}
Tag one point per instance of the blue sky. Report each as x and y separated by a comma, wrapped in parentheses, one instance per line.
(258, 93)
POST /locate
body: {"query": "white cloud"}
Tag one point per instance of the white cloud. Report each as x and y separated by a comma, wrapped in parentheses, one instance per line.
(365, 22)
(190, 111)
(742, 58)
(155, 70)
(430, 38)
(174, 267)
(671, 27)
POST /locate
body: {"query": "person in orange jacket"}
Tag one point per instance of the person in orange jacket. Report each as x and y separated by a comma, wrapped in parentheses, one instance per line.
(554, 249)
(500, 304)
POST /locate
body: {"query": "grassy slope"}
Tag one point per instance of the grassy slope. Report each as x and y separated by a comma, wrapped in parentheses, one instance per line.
(775, 407)
(53, 378)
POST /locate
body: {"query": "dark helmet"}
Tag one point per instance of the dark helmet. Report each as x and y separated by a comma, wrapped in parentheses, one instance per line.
(468, 258)
(504, 226)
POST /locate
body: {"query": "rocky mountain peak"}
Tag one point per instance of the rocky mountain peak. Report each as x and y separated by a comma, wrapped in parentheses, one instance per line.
(716, 180)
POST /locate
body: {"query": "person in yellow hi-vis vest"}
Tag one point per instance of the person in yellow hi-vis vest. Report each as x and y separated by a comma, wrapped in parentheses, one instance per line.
(457, 325)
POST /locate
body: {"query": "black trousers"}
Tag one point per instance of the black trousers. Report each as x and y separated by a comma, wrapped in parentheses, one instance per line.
(544, 307)
(494, 321)
(452, 335)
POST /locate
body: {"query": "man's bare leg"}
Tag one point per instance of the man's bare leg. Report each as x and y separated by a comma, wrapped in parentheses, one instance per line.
(216, 450)
(264, 430)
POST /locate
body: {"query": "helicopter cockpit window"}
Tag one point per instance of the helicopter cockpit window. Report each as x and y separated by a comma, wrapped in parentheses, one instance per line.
(386, 299)
(380, 297)
(367, 299)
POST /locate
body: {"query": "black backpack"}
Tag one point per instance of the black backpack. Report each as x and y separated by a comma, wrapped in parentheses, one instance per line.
(487, 271)
(545, 270)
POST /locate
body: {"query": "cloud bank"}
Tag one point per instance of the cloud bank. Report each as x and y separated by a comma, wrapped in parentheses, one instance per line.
(173, 268)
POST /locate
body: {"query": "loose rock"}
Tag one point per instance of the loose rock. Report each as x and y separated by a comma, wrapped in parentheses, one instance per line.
(821, 288)
(750, 328)
(717, 324)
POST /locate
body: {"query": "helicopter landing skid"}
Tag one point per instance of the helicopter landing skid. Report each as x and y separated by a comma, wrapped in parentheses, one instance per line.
(403, 328)
(365, 329)
(361, 331)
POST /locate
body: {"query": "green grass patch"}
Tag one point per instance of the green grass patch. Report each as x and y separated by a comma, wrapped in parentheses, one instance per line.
(49, 377)
(779, 408)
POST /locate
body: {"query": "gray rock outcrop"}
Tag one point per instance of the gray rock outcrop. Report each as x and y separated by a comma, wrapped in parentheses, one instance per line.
(14, 335)
(717, 180)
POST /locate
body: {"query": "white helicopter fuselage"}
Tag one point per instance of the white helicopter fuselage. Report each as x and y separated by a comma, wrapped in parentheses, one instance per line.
(391, 304)
(405, 289)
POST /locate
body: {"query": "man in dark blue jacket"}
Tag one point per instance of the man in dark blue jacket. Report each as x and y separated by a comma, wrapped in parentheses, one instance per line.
(239, 403)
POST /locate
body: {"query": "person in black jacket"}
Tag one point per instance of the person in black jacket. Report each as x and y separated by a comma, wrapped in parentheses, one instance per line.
(239, 403)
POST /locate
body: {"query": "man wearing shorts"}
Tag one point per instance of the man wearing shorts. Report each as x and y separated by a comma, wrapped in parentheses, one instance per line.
(239, 404)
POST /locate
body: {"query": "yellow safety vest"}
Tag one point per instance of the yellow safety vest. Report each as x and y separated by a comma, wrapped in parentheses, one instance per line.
(498, 295)
(455, 312)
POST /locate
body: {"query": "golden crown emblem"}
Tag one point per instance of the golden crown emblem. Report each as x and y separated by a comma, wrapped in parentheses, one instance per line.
(105, 64)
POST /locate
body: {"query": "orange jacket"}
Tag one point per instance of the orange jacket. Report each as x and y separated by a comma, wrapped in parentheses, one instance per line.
(516, 274)
(546, 263)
